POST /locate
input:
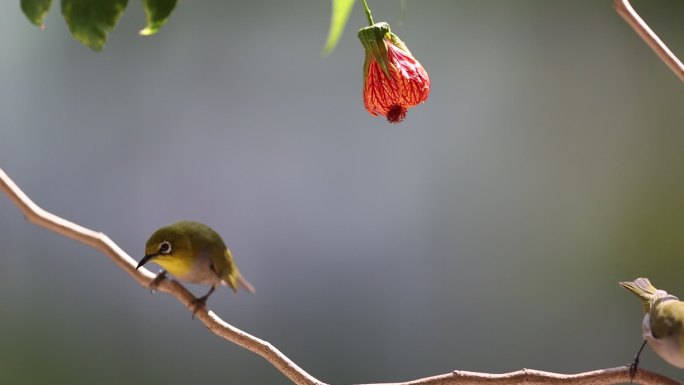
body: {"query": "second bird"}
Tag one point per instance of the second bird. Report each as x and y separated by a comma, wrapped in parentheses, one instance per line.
(663, 323)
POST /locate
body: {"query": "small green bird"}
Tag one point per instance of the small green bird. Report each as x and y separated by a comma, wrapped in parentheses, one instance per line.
(195, 253)
(663, 324)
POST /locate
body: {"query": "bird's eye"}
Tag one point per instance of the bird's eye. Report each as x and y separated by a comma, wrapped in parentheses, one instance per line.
(165, 248)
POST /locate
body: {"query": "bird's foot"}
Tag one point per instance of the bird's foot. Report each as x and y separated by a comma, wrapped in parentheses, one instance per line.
(157, 280)
(633, 368)
(201, 302)
(198, 304)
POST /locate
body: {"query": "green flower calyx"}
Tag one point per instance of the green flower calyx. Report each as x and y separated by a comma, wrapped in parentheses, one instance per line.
(373, 41)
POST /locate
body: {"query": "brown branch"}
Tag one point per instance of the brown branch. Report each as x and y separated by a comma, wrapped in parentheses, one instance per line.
(538, 377)
(624, 9)
(297, 375)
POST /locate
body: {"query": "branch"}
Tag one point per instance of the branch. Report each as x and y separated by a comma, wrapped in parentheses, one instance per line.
(624, 9)
(101, 242)
(537, 377)
(297, 375)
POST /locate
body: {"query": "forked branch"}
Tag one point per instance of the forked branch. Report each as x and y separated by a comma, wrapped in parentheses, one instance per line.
(624, 8)
(297, 375)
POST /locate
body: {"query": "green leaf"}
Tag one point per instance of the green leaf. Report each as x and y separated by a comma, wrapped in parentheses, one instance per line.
(35, 10)
(338, 20)
(91, 20)
(157, 12)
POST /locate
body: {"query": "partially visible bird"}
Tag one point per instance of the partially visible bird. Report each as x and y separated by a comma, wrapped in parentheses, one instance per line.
(663, 324)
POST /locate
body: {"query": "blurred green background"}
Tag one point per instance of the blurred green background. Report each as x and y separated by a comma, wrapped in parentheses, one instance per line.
(486, 233)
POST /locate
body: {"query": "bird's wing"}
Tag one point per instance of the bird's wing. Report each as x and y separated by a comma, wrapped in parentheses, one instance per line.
(667, 318)
(225, 267)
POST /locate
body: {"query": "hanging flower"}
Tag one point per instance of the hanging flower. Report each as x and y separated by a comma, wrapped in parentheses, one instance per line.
(394, 80)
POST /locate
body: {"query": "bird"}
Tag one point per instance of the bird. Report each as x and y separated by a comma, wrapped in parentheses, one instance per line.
(663, 323)
(193, 252)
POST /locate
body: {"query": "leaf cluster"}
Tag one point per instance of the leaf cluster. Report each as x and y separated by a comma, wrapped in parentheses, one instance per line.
(90, 21)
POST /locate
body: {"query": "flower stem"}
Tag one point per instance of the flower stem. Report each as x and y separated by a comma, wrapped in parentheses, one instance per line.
(368, 13)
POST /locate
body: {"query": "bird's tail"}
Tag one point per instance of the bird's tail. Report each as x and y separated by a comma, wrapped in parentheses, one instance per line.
(242, 282)
(642, 288)
(236, 281)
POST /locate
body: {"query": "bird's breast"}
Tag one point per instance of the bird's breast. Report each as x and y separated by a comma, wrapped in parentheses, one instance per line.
(193, 270)
(670, 348)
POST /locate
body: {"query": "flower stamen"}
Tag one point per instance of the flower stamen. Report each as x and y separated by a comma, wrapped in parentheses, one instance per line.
(396, 114)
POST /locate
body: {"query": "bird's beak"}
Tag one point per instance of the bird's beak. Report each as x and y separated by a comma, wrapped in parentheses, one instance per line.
(145, 259)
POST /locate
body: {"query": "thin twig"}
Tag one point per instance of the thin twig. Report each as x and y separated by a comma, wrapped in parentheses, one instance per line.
(297, 375)
(624, 9)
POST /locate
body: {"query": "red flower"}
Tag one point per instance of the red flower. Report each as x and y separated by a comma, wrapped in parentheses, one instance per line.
(394, 80)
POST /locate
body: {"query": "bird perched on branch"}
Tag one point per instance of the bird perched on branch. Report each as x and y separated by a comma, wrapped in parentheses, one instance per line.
(195, 253)
(663, 324)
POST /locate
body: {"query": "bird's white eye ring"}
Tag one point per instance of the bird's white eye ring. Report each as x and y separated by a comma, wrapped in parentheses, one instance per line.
(165, 247)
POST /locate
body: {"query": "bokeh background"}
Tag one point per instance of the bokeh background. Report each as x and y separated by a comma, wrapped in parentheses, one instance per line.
(487, 232)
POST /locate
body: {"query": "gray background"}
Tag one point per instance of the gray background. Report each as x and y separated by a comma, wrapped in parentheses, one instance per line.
(487, 232)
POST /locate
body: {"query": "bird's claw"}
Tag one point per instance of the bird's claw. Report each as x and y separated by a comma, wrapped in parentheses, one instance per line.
(198, 304)
(201, 302)
(634, 365)
(156, 281)
(633, 368)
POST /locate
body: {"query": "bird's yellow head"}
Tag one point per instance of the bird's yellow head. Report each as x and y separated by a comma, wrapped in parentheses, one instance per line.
(171, 248)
